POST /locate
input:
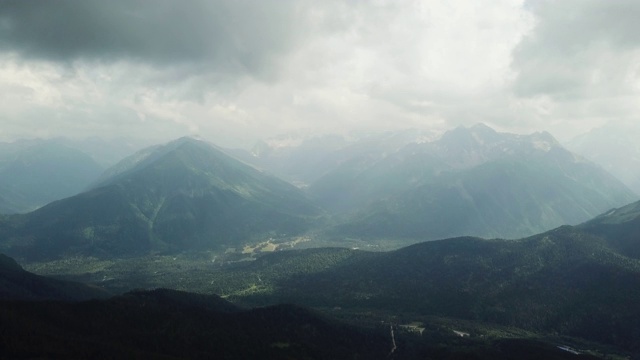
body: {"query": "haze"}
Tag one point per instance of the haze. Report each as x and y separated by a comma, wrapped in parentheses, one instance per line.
(237, 71)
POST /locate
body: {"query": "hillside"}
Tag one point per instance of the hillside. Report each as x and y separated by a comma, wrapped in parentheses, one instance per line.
(18, 284)
(472, 181)
(185, 195)
(572, 281)
(569, 281)
(563, 281)
(167, 324)
(621, 228)
(163, 324)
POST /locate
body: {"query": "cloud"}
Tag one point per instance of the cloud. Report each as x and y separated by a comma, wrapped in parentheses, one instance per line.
(580, 48)
(221, 35)
(579, 67)
(234, 71)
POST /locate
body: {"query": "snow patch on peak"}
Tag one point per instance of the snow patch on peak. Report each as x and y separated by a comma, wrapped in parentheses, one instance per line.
(542, 145)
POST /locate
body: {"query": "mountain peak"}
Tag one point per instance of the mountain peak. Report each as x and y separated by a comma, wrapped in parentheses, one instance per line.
(182, 195)
(482, 127)
(150, 155)
(469, 138)
(543, 140)
(188, 140)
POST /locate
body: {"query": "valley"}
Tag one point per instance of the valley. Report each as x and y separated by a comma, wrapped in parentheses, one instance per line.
(444, 249)
(320, 180)
(249, 286)
(536, 286)
(414, 332)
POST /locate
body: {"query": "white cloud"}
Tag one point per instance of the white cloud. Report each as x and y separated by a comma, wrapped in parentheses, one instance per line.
(583, 58)
(239, 72)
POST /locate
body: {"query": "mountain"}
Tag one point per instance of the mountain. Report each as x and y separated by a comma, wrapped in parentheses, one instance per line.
(18, 284)
(184, 195)
(164, 324)
(615, 147)
(573, 281)
(297, 160)
(570, 283)
(564, 281)
(621, 228)
(471, 181)
(302, 160)
(36, 172)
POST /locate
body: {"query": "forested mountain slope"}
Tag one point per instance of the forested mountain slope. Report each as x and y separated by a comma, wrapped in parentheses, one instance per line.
(185, 195)
(565, 281)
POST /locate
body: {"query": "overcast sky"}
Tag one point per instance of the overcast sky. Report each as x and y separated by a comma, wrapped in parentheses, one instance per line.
(234, 71)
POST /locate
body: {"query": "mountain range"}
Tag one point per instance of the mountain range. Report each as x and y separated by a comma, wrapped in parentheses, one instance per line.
(188, 195)
(471, 181)
(189, 199)
(302, 161)
(573, 282)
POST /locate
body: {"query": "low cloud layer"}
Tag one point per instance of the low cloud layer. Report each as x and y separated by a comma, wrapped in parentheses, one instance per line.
(236, 71)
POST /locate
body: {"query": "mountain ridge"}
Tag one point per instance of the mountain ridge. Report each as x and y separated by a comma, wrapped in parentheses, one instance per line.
(566, 280)
(500, 185)
(18, 284)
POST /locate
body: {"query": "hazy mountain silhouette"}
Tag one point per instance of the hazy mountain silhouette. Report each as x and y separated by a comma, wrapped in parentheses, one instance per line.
(472, 181)
(615, 147)
(36, 172)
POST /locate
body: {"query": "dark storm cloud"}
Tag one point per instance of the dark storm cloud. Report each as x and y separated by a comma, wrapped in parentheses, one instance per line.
(567, 51)
(243, 36)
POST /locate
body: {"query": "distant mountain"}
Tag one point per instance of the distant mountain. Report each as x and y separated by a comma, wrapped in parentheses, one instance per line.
(472, 181)
(7, 206)
(18, 284)
(106, 151)
(164, 324)
(185, 195)
(36, 172)
(301, 161)
(615, 147)
(298, 161)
